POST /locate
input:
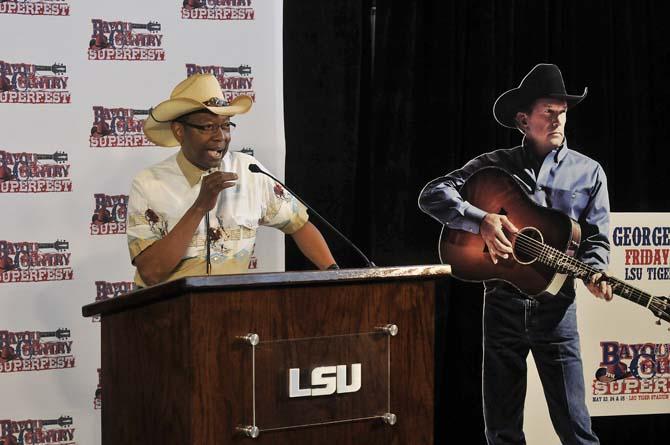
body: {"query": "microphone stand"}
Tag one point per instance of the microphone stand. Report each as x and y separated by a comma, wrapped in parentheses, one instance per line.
(208, 241)
(256, 169)
(373, 26)
(208, 238)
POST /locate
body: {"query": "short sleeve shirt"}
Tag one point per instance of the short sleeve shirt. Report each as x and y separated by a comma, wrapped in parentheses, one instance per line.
(161, 194)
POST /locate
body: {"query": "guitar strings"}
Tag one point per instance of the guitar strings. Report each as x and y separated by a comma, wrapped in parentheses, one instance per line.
(550, 256)
(547, 253)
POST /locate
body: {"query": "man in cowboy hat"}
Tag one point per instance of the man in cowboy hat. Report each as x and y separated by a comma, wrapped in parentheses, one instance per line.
(197, 211)
(514, 324)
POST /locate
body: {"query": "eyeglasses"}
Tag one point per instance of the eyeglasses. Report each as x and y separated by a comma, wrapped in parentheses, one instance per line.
(226, 127)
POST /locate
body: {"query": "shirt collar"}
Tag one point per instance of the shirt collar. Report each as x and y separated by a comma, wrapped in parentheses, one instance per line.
(194, 173)
(190, 171)
(557, 153)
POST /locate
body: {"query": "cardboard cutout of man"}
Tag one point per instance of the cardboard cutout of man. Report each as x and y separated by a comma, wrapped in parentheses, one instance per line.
(558, 177)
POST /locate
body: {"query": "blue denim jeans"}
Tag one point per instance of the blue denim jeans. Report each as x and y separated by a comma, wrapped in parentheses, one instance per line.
(514, 325)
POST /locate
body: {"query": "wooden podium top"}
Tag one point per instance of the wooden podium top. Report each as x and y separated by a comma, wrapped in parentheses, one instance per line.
(171, 289)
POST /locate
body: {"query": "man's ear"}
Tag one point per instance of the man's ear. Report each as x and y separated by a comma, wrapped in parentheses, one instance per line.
(177, 131)
(521, 119)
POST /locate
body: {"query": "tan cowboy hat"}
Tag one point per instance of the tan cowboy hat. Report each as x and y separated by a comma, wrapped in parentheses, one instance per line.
(197, 92)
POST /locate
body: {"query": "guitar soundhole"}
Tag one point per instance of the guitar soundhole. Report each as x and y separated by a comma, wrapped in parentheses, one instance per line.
(525, 245)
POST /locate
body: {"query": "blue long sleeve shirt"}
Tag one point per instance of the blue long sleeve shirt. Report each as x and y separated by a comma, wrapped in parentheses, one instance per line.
(564, 180)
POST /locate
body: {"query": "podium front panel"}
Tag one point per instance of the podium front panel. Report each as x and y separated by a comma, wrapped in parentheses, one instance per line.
(319, 380)
(223, 392)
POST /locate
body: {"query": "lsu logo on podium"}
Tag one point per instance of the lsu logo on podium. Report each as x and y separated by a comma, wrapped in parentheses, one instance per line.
(27, 83)
(325, 380)
(117, 40)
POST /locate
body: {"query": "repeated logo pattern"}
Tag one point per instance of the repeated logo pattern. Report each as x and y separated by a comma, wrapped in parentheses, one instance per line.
(28, 83)
(35, 7)
(118, 40)
(218, 10)
(26, 172)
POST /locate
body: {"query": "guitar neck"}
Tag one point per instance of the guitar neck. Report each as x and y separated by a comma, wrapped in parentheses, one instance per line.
(569, 265)
(43, 157)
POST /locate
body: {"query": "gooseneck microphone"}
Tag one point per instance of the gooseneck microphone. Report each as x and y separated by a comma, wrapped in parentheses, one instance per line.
(256, 169)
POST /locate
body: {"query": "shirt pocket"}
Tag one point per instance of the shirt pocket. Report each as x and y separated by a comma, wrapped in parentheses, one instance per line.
(571, 202)
(239, 210)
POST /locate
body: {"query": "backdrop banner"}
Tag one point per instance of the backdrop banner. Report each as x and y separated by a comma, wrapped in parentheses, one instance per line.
(625, 352)
(77, 80)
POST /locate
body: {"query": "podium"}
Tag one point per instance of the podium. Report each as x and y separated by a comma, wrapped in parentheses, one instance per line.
(321, 357)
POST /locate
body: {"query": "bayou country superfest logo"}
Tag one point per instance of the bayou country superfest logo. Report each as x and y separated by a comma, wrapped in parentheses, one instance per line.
(56, 431)
(109, 216)
(105, 290)
(34, 172)
(632, 372)
(118, 127)
(34, 7)
(217, 10)
(234, 80)
(126, 41)
(97, 397)
(26, 83)
(35, 350)
(28, 261)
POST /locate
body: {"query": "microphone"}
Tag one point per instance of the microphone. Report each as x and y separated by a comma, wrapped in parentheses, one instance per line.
(256, 169)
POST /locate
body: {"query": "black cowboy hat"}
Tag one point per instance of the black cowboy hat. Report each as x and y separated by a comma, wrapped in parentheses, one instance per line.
(544, 80)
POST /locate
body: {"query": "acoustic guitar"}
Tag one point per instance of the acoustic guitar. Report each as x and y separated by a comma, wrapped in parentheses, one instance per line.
(543, 248)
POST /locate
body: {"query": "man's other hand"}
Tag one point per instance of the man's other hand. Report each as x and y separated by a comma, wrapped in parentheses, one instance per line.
(599, 286)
